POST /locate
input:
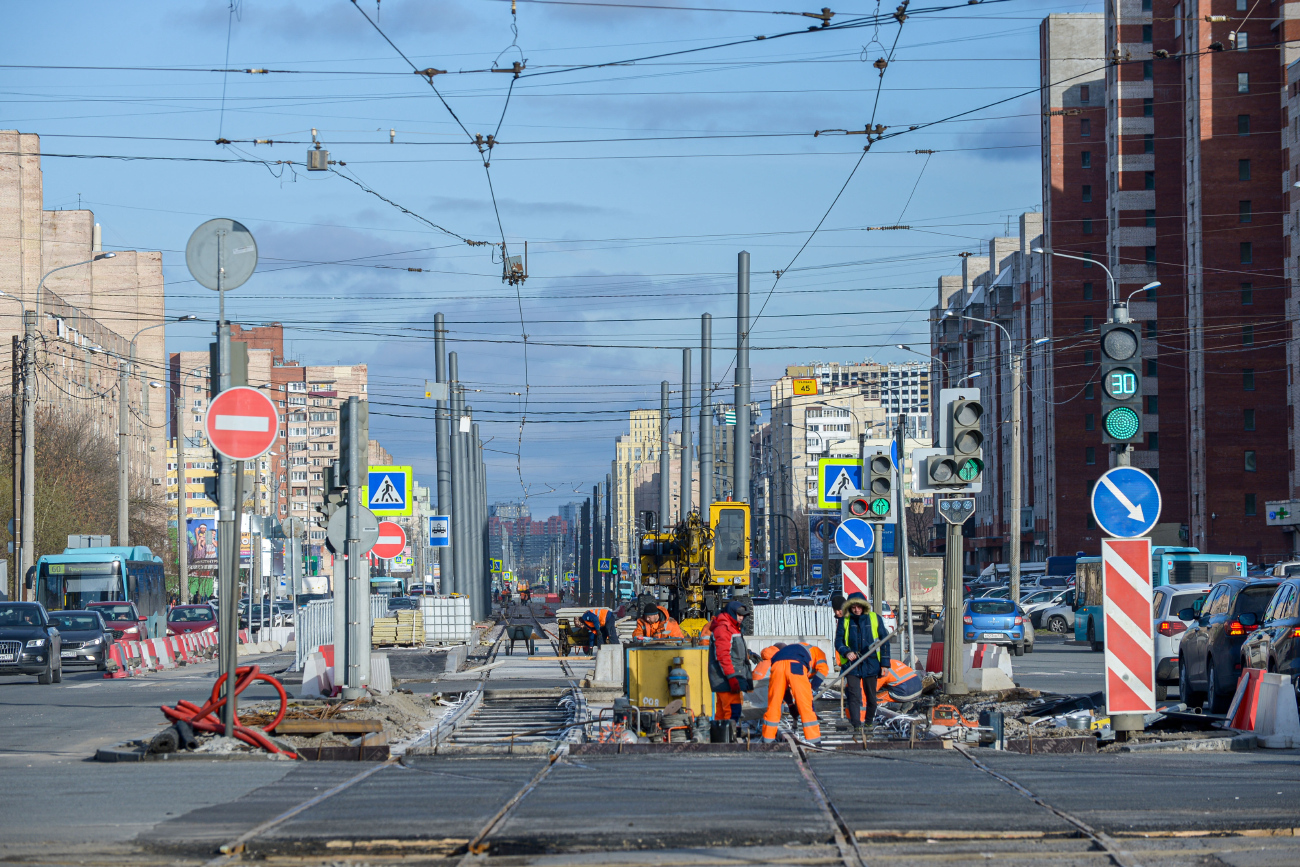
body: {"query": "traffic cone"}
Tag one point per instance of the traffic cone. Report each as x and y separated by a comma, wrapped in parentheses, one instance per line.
(116, 664)
(1244, 709)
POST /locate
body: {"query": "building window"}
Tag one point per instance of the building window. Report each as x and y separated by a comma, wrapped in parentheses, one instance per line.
(1147, 66)
(1248, 379)
(1087, 356)
(1085, 127)
(1089, 422)
(1243, 42)
(1087, 291)
(1090, 455)
(1247, 419)
(1243, 124)
(1243, 211)
(1248, 335)
(1087, 323)
(1151, 218)
(1086, 157)
(1153, 441)
(1085, 93)
(1250, 505)
(1087, 260)
(1243, 82)
(1148, 144)
(1149, 180)
(1247, 253)
(1146, 5)
(1151, 368)
(1247, 293)
(1087, 192)
(1243, 170)
(1151, 329)
(1153, 404)
(1087, 391)
(1249, 462)
(1146, 34)
(1151, 255)
(1178, 19)
(1148, 107)
(1087, 227)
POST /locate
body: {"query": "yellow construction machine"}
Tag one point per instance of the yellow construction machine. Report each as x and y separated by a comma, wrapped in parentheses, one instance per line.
(698, 565)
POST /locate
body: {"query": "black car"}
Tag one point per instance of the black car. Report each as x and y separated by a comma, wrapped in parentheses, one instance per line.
(1209, 656)
(29, 643)
(84, 638)
(1275, 646)
(403, 603)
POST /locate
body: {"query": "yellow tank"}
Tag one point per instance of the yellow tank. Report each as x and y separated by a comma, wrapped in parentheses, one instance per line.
(647, 676)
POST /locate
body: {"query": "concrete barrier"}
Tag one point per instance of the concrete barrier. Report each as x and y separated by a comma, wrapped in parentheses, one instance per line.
(609, 666)
(318, 675)
(1265, 703)
(381, 677)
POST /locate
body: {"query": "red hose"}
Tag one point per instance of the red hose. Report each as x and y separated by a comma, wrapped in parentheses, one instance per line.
(207, 718)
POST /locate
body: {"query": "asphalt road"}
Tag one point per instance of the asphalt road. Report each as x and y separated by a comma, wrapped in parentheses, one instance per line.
(1054, 666)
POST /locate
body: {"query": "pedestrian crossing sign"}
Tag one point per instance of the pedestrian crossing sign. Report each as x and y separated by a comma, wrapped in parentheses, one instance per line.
(835, 478)
(496, 565)
(388, 493)
(604, 565)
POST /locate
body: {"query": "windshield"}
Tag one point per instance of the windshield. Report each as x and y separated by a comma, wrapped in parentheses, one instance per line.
(71, 586)
(1185, 600)
(20, 615)
(115, 612)
(70, 622)
(190, 615)
(1253, 600)
(992, 606)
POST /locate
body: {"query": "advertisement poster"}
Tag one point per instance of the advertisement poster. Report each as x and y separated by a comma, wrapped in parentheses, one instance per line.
(201, 536)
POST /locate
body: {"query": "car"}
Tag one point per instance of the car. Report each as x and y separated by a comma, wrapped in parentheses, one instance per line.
(888, 616)
(1285, 569)
(122, 618)
(1209, 656)
(996, 621)
(29, 642)
(1167, 602)
(403, 603)
(1059, 619)
(800, 600)
(1038, 601)
(84, 638)
(1027, 641)
(1059, 582)
(184, 619)
(1275, 645)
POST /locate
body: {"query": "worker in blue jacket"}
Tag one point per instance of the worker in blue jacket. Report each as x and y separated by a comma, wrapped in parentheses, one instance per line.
(855, 633)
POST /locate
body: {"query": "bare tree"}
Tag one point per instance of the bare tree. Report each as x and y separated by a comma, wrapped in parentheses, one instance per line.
(920, 526)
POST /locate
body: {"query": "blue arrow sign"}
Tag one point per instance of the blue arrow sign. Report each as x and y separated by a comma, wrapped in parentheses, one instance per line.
(893, 452)
(854, 538)
(1126, 502)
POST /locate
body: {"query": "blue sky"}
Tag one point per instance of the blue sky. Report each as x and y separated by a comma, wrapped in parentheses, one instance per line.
(635, 185)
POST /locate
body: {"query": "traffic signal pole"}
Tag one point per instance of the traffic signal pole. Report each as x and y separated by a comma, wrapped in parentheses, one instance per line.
(740, 484)
(954, 681)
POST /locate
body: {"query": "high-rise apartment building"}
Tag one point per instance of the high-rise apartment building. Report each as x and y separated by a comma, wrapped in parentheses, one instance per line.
(631, 450)
(901, 388)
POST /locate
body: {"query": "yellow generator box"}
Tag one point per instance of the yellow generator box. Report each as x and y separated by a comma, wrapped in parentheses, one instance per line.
(647, 676)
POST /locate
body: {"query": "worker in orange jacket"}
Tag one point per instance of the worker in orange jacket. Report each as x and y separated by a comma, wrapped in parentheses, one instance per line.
(792, 679)
(654, 623)
(600, 625)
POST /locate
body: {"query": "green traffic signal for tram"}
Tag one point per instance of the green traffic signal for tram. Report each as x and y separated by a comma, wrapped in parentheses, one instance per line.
(970, 469)
(1122, 423)
(880, 506)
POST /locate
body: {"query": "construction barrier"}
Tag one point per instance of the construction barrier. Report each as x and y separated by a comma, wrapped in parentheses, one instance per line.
(812, 621)
(1265, 703)
(117, 667)
(985, 667)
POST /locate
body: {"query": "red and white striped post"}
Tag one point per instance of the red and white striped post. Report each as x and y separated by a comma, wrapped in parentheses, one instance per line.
(1127, 633)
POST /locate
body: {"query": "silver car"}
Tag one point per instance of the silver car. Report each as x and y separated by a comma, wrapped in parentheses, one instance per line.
(1166, 602)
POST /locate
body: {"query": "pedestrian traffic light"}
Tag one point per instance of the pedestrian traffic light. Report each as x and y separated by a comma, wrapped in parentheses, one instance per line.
(880, 486)
(1121, 383)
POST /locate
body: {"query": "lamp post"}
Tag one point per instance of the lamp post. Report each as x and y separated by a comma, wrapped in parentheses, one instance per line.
(64, 268)
(24, 473)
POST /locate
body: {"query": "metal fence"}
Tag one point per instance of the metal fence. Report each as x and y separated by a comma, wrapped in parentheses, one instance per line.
(794, 620)
(315, 625)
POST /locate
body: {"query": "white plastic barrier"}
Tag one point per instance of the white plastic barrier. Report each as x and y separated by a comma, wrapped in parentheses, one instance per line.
(813, 621)
(986, 667)
(447, 619)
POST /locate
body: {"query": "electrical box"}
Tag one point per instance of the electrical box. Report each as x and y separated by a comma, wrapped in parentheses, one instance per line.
(647, 676)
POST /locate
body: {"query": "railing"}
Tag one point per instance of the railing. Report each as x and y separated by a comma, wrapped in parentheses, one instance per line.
(315, 625)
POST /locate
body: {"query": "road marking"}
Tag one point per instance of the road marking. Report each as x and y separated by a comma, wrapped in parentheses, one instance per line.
(250, 423)
(82, 685)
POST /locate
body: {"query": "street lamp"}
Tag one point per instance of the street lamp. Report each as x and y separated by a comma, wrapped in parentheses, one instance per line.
(1117, 308)
(967, 377)
(64, 268)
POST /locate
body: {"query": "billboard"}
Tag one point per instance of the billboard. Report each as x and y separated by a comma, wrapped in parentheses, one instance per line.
(201, 539)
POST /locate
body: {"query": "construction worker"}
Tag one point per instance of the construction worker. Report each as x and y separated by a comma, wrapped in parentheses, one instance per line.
(600, 623)
(898, 683)
(730, 674)
(857, 631)
(791, 680)
(654, 623)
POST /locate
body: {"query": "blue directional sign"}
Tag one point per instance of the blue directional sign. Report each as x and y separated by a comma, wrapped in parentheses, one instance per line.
(1126, 502)
(439, 531)
(854, 538)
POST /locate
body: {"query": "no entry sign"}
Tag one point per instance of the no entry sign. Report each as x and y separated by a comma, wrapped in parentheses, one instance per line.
(242, 423)
(392, 541)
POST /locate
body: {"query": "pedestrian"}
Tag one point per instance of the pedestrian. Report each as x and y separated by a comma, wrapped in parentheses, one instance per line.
(857, 631)
(600, 624)
(654, 623)
(730, 673)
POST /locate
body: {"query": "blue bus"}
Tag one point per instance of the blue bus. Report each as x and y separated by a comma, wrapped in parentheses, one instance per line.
(114, 574)
(1168, 566)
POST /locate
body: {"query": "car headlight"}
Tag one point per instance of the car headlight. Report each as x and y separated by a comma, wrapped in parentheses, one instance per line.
(211, 629)
(36, 642)
(94, 642)
(131, 629)
(170, 633)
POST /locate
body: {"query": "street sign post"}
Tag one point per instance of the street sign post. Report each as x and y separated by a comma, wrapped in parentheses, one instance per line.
(837, 478)
(388, 491)
(854, 537)
(1127, 634)
(242, 423)
(855, 577)
(336, 533)
(439, 531)
(1126, 502)
(390, 542)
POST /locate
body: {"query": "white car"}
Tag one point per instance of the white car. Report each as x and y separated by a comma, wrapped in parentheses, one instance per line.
(1036, 603)
(1059, 619)
(1166, 602)
(887, 615)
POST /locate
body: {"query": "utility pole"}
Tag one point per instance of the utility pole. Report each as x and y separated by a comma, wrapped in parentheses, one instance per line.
(123, 457)
(182, 536)
(583, 553)
(740, 484)
(442, 435)
(457, 460)
(1017, 362)
(706, 412)
(29, 446)
(665, 465)
(16, 582)
(354, 421)
(686, 473)
(901, 540)
(611, 586)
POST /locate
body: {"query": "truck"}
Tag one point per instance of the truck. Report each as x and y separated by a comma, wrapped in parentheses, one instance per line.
(926, 579)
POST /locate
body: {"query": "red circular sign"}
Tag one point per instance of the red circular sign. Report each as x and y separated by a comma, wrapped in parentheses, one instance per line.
(392, 541)
(242, 423)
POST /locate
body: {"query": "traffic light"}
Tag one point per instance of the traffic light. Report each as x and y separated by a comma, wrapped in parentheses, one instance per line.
(855, 506)
(353, 444)
(963, 466)
(1121, 383)
(880, 486)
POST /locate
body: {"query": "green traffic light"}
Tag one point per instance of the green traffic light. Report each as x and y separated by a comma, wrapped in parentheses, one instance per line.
(1122, 423)
(970, 469)
(880, 506)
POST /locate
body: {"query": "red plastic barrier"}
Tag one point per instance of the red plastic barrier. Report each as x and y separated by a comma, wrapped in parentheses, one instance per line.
(934, 659)
(117, 663)
(208, 718)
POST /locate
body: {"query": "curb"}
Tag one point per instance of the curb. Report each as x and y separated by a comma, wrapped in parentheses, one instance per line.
(1203, 745)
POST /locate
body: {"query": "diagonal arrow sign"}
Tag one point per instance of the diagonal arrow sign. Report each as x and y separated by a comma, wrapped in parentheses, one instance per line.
(1134, 512)
(853, 536)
